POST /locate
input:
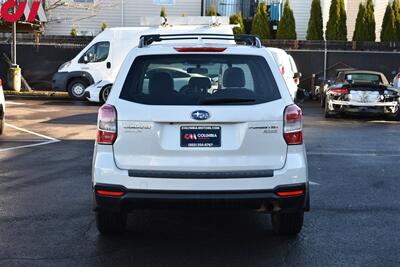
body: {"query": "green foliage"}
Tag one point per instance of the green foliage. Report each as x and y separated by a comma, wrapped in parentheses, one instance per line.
(315, 29)
(103, 26)
(163, 12)
(74, 31)
(260, 25)
(360, 31)
(396, 11)
(388, 33)
(287, 25)
(237, 19)
(213, 11)
(370, 21)
(336, 28)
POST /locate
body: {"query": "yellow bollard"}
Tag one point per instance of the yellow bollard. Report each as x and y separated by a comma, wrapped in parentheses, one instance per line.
(15, 78)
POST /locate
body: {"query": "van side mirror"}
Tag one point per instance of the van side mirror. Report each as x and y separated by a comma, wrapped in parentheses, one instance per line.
(297, 75)
(85, 59)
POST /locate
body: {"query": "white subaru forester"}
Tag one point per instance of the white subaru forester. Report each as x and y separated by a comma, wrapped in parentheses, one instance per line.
(229, 138)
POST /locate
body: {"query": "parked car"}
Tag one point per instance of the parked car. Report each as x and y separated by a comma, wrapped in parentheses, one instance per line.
(102, 58)
(2, 109)
(396, 81)
(360, 91)
(99, 91)
(237, 146)
(288, 69)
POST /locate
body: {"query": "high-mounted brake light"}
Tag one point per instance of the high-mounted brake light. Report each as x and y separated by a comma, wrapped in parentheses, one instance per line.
(283, 70)
(293, 125)
(200, 49)
(340, 91)
(107, 125)
(290, 193)
(109, 193)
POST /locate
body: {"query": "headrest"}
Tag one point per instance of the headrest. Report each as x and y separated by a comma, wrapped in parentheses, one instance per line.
(160, 82)
(234, 77)
(200, 82)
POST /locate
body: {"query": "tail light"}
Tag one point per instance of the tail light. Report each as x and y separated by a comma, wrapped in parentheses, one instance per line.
(293, 125)
(340, 91)
(1, 82)
(296, 81)
(107, 125)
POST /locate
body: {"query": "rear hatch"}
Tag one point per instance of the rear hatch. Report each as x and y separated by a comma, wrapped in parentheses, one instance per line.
(200, 112)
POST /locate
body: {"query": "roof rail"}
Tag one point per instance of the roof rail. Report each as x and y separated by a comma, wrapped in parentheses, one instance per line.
(247, 39)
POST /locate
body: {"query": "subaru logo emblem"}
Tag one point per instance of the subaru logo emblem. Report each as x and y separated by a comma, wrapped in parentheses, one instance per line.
(200, 115)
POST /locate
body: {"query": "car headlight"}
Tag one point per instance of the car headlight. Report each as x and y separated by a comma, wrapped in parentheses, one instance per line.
(65, 65)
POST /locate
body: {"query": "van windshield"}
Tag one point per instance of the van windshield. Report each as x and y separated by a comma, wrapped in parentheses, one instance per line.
(200, 80)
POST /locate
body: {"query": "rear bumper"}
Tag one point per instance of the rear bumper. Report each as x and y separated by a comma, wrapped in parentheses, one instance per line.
(262, 200)
(358, 104)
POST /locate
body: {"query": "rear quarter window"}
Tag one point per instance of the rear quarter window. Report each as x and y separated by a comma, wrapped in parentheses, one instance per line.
(174, 80)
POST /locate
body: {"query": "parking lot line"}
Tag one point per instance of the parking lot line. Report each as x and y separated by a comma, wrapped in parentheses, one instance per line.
(14, 103)
(345, 154)
(50, 140)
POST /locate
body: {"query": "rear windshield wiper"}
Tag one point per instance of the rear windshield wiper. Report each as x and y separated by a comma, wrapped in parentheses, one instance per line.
(225, 100)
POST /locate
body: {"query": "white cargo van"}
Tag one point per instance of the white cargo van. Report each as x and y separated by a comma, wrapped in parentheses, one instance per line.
(101, 59)
(288, 69)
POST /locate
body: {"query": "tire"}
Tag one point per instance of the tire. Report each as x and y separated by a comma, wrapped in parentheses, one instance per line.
(322, 101)
(287, 223)
(109, 223)
(104, 93)
(76, 88)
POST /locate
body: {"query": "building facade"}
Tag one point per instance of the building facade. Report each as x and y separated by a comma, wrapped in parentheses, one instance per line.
(88, 15)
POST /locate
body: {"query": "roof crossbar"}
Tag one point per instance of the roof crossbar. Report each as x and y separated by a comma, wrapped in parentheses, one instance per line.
(247, 39)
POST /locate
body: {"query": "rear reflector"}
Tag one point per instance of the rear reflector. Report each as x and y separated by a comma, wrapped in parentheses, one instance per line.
(107, 125)
(290, 193)
(109, 193)
(293, 125)
(200, 49)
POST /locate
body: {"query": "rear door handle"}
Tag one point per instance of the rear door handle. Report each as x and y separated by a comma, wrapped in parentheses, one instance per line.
(108, 65)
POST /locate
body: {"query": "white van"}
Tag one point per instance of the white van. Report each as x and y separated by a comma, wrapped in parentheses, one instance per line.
(100, 61)
(288, 69)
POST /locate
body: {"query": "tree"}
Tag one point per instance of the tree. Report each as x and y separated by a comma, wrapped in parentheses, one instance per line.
(396, 11)
(103, 26)
(74, 31)
(336, 28)
(315, 29)
(163, 12)
(287, 25)
(260, 25)
(388, 33)
(370, 21)
(237, 19)
(213, 11)
(361, 28)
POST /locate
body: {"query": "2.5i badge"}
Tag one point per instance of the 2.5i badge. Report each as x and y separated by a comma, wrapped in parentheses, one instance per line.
(200, 136)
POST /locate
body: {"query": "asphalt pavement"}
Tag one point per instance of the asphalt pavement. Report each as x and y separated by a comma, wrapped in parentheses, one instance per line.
(46, 216)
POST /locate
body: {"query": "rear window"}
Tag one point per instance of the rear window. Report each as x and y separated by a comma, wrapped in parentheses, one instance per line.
(200, 80)
(363, 77)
